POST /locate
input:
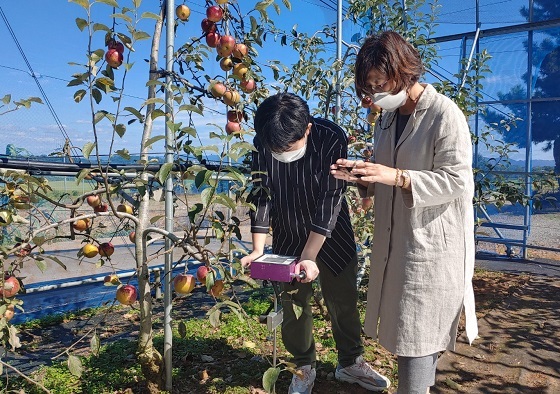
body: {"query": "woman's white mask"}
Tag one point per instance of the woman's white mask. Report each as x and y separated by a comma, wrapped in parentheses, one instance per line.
(390, 102)
(292, 155)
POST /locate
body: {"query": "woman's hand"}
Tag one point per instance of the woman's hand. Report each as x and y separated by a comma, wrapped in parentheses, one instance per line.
(363, 171)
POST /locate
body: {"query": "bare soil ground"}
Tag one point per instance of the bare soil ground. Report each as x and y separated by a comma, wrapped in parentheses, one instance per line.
(517, 352)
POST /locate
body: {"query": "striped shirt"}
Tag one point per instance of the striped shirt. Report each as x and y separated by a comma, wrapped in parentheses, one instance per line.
(302, 196)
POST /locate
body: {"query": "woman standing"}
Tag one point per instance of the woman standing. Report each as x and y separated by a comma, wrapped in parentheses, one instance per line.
(421, 176)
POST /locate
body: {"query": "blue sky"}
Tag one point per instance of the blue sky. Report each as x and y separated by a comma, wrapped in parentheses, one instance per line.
(48, 35)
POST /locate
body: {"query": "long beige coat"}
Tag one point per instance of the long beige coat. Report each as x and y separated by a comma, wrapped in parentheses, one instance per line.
(422, 258)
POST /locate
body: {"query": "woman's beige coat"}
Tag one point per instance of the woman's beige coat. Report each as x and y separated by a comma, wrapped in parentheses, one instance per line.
(422, 258)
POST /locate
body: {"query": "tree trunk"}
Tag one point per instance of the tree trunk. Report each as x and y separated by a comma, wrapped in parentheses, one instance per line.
(149, 358)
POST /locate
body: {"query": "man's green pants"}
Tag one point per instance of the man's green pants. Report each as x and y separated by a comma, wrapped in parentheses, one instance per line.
(341, 296)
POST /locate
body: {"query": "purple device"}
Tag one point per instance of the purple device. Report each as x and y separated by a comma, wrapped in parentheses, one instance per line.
(274, 267)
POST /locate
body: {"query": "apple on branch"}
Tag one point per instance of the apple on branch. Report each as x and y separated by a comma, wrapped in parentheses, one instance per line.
(106, 249)
(214, 13)
(127, 294)
(11, 286)
(212, 39)
(183, 12)
(207, 26)
(114, 58)
(89, 250)
(184, 283)
(94, 200)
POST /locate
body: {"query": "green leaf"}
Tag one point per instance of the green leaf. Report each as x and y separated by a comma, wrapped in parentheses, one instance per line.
(7, 98)
(96, 93)
(95, 344)
(100, 26)
(154, 100)
(56, 260)
(151, 15)
(182, 328)
(137, 3)
(124, 153)
(87, 149)
(120, 129)
(206, 195)
(287, 4)
(81, 23)
(82, 174)
(79, 95)
(112, 3)
(215, 317)
(41, 264)
(269, 379)
(123, 17)
(135, 112)
(298, 310)
(140, 35)
(163, 172)
(83, 3)
(192, 108)
(13, 337)
(98, 116)
(75, 366)
(154, 219)
(152, 140)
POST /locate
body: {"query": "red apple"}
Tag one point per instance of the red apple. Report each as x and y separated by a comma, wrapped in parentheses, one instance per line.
(235, 116)
(226, 45)
(248, 86)
(183, 12)
(132, 236)
(226, 64)
(213, 39)
(218, 287)
(217, 89)
(183, 283)
(240, 50)
(106, 249)
(207, 26)
(214, 13)
(114, 44)
(11, 286)
(127, 294)
(351, 139)
(233, 127)
(114, 58)
(202, 272)
(94, 200)
(103, 207)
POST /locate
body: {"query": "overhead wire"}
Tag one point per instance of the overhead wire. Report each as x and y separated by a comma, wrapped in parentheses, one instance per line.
(41, 90)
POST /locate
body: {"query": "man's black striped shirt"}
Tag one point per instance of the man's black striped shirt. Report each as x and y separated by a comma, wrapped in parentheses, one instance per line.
(302, 196)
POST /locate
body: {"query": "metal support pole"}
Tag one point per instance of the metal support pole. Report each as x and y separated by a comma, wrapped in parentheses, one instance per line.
(338, 57)
(169, 138)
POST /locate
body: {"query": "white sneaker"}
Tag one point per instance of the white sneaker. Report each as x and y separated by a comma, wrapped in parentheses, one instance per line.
(363, 374)
(303, 385)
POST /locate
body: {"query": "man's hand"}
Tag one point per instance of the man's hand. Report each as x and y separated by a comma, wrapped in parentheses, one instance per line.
(247, 260)
(310, 268)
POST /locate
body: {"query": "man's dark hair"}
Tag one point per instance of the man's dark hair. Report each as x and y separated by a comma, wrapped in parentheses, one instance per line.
(281, 120)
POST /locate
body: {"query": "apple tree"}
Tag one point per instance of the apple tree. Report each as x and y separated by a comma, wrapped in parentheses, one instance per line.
(223, 103)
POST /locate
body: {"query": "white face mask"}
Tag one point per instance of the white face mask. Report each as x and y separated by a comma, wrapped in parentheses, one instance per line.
(292, 155)
(388, 101)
